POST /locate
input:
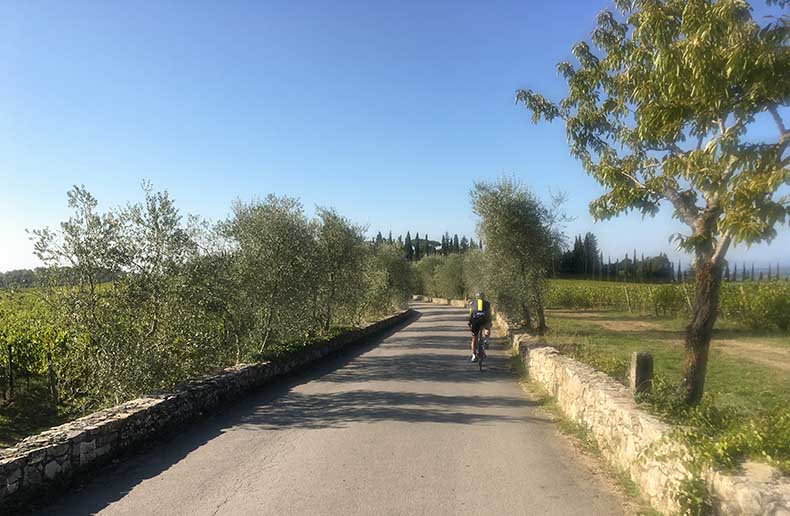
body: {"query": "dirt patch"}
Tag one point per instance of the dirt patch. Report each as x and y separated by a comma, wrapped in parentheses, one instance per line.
(607, 322)
(752, 349)
(755, 351)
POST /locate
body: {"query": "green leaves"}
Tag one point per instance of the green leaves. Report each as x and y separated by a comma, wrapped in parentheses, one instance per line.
(667, 72)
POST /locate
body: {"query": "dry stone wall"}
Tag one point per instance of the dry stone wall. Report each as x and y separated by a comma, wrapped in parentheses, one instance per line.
(629, 438)
(638, 442)
(53, 457)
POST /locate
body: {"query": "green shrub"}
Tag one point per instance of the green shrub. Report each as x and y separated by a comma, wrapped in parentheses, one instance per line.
(721, 435)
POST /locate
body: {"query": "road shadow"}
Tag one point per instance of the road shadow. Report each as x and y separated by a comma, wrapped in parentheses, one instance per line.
(334, 410)
(451, 367)
(435, 329)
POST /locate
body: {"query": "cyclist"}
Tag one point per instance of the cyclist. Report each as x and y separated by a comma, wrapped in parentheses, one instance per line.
(479, 319)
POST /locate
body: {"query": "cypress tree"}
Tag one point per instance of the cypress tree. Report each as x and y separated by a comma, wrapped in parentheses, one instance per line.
(626, 267)
(642, 269)
(727, 272)
(735, 272)
(752, 275)
(417, 251)
(456, 244)
(600, 266)
(769, 272)
(407, 248)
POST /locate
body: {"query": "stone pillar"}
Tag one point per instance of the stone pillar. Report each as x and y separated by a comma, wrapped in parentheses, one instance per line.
(640, 375)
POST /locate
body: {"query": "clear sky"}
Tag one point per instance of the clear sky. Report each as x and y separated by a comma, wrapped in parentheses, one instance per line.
(386, 110)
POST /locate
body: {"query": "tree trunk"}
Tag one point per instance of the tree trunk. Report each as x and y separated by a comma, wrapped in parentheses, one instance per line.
(699, 330)
(10, 372)
(527, 316)
(53, 382)
(541, 320)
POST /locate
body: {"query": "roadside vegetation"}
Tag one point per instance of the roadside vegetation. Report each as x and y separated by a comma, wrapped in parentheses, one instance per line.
(188, 298)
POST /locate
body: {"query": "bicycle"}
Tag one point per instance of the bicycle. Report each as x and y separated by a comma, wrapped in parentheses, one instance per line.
(481, 344)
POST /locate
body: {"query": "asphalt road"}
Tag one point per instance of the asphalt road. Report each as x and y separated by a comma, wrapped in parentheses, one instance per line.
(405, 425)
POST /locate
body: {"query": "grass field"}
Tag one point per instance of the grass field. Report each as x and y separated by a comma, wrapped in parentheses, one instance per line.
(745, 414)
(747, 369)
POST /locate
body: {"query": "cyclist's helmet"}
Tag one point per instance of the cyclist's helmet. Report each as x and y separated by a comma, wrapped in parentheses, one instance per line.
(480, 295)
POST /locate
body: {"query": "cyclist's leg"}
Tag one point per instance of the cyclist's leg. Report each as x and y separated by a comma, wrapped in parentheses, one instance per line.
(487, 331)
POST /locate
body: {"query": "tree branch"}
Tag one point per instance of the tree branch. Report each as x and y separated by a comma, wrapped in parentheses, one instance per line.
(636, 181)
(783, 133)
(721, 248)
(688, 212)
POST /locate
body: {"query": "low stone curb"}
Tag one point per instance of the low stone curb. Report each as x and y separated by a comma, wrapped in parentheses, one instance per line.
(635, 441)
(58, 455)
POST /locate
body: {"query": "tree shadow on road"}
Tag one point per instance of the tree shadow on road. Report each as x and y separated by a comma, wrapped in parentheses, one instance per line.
(299, 410)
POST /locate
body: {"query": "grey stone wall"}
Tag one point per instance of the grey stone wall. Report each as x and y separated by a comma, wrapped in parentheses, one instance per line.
(638, 443)
(53, 457)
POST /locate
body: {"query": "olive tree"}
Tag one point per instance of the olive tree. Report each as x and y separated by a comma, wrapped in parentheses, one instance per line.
(518, 231)
(449, 277)
(475, 271)
(388, 278)
(77, 254)
(134, 333)
(660, 109)
(339, 258)
(275, 245)
(425, 275)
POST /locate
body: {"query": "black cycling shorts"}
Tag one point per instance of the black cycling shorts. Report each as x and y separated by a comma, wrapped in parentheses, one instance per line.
(479, 324)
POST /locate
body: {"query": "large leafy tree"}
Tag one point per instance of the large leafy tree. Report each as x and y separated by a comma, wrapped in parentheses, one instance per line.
(662, 107)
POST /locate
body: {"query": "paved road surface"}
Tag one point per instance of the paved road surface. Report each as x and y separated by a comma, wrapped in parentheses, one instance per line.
(404, 427)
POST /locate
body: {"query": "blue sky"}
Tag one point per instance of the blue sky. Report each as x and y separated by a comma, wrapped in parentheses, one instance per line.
(388, 111)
